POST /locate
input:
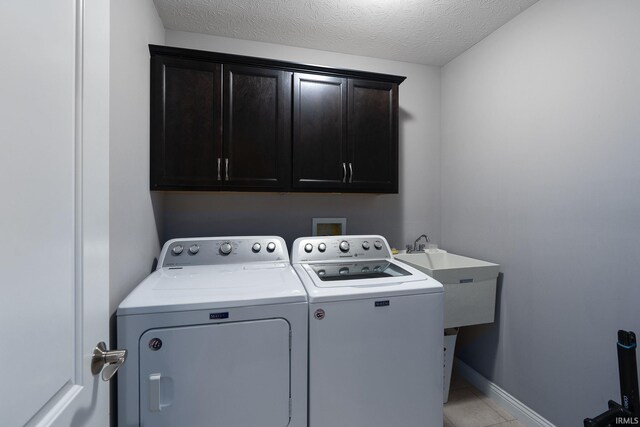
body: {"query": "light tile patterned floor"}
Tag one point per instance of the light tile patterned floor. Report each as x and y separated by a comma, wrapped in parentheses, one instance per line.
(467, 407)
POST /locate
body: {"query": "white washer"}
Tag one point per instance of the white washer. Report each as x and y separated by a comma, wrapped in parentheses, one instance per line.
(375, 335)
(217, 335)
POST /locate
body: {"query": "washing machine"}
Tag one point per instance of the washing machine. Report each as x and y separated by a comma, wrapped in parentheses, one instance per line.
(375, 335)
(217, 336)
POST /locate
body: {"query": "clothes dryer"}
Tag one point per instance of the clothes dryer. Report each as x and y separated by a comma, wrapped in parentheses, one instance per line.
(217, 336)
(375, 335)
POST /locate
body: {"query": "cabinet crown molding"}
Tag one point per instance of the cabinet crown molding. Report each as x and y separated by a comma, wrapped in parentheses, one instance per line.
(227, 58)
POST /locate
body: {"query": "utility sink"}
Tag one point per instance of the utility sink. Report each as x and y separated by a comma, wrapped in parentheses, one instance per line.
(469, 285)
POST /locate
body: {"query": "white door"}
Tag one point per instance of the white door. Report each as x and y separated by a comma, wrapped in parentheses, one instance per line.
(54, 105)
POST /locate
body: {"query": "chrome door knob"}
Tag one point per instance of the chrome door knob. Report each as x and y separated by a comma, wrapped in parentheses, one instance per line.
(107, 362)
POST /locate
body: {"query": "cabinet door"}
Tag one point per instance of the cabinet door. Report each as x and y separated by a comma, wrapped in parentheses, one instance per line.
(319, 132)
(373, 136)
(185, 124)
(257, 141)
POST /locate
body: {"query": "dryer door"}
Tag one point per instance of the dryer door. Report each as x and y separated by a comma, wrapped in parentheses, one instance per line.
(227, 374)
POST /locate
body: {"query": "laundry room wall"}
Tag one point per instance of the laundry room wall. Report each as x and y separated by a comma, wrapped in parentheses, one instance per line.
(134, 217)
(401, 218)
(540, 173)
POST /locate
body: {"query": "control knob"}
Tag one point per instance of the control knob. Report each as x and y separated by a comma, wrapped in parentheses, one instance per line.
(177, 249)
(308, 247)
(344, 246)
(225, 248)
(322, 247)
(365, 245)
(377, 244)
(194, 249)
(271, 247)
(256, 247)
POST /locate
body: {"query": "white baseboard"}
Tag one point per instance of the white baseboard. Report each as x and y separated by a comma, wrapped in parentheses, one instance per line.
(519, 410)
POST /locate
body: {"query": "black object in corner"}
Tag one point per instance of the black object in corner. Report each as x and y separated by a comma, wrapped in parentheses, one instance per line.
(628, 411)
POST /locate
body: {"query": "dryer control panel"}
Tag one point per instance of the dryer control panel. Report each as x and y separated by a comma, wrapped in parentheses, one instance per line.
(336, 248)
(223, 250)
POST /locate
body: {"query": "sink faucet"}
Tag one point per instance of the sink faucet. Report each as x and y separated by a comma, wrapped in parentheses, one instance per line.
(417, 247)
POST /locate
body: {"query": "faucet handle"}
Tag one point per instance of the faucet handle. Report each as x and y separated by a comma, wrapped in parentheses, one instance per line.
(409, 248)
(421, 247)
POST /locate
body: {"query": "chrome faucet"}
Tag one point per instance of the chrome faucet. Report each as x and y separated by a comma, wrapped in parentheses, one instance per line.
(417, 247)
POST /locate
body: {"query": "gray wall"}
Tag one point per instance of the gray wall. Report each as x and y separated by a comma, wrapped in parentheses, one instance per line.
(540, 173)
(133, 233)
(400, 218)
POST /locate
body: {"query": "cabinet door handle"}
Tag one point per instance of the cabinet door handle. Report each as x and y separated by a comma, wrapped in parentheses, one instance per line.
(350, 173)
(219, 176)
(344, 172)
(226, 169)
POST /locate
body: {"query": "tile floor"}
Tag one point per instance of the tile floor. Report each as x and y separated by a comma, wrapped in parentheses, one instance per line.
(467, 407)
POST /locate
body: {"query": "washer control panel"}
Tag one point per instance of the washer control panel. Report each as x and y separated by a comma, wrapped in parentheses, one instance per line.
(331, 248)
(222, 250)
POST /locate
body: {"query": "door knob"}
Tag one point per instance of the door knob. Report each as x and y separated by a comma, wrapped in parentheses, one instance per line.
(107, 362)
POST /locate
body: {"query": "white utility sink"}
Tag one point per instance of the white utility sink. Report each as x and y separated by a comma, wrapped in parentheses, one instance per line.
(469, 285)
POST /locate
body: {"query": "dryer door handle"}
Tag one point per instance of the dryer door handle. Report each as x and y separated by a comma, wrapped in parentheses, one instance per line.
(154, 393)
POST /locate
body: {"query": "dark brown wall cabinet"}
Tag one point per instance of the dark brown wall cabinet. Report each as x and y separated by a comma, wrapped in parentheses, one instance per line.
(228, 122)
(201, 140)
(345, 134)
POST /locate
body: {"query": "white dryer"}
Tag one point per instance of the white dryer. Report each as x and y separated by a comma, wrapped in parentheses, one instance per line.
(375, 335)
(217, 336)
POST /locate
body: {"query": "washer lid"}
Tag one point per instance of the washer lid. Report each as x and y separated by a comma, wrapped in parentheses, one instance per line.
(223, 286)
(333, 275)
(342, 281)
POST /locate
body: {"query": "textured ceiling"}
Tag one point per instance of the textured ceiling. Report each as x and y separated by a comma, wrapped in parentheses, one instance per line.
(429, 32)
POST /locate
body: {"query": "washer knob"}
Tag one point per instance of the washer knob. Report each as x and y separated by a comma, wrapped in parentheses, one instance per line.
(377, 244)
(322, 247)
(343, 271)
(308, 247)
(226, 248)
(344, 246)
(194, 249)
(177, 249)
(256, 247)
(365, 245)
(271, 247)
